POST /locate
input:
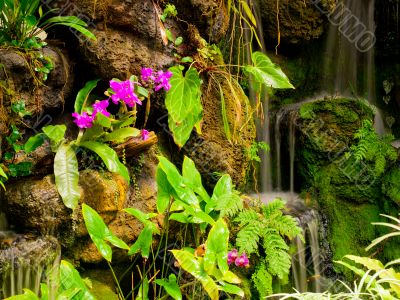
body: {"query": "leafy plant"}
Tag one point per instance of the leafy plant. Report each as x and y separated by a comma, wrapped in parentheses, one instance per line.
(183, 104)
(22, 21)
(169, 11)
(262, 232)
(253, 151)
(370, 147)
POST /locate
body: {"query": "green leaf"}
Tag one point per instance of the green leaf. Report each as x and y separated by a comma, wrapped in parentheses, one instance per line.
(103, 120)
(231, 289)
(2, 173)
(224, 186)
(109, 157)
(227, 129)
(67, 175)
(164, 191)
(143, 242)
(92, 133)
(120, 135)
(83, 94)
(70, 279)
(143, 293)
(27, 295)
(169, 35)
(177, 182)
(34, 142)
(217, 248)
(178, 41)
(171, 286)
(190, 264)
(99, 233)
(183, 103)
(144, 218)
(192, 178)
(187, 59)
(248, 12)
(266, 72)
(55, 133)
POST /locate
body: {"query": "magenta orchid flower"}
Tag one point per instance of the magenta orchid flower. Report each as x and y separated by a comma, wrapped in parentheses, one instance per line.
(100, 107)
(145, 134)
(124, 91)
(83, 120)
(162, 80)
(147, 74)
(242, 261)
(232, 256)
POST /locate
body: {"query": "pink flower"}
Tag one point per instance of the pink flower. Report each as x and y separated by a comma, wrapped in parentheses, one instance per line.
(162, 80)
(83, 120)
(232, 256)
(100, 107)
(124, 91)
(242, 261)
(147, 74)
(145, 134)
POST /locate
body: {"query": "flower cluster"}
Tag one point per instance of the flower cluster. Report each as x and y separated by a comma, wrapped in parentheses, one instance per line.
(160, 78)
(240, 261)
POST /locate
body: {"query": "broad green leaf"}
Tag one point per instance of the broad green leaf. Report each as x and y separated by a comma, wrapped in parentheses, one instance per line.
(224, 186)
(44, 291)
(192, 178)
(67, 175)
(55, 133)
(231, 289)
(217, 247)
(183, 103)
(164, 191)
(34, 142)
(190, 264)
(92, 133)
(143, 242)
(120, 135)
(144, 218)
(102, 120)
(178, 41)
(83, 94)
(70, 279)
(99, 233)
(175, 179)
(81, 29)
(109, 157)
(27, 295)
(180, 217)
(182, 130)
(170, 286)
(266, 72)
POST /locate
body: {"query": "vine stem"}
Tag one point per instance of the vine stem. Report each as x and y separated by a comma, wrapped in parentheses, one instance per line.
(121, 294)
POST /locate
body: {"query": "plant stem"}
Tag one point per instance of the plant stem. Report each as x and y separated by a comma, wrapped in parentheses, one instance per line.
(121, 294)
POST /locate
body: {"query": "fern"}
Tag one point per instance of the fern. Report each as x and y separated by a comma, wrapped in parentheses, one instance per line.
(274, 207)
(262, 281)
(372, 148)
(246, 217)
(248, 237)
(286, 226)
(229, 204)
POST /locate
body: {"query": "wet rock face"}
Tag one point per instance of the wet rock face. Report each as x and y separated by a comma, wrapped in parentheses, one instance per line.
(299, 20)
(36, 205)
(120, 54)
(18, 70)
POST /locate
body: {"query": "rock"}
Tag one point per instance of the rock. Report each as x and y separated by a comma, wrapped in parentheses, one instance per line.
(120, 54)
(142, 195)
(20, 82)
(299, 21)
(34, 204)
(211, 151)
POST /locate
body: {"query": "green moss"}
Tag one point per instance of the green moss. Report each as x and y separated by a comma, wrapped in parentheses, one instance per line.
(391, 184)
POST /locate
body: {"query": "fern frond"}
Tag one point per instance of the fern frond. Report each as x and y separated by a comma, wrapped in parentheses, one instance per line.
(229, 204)
(272, 208)
(246, 217)
(272, 240)
(285, 225)
(262, 281)
(279, 263)
(248, 237)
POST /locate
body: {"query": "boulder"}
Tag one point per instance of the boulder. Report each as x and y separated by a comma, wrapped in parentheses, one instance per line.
(120, 54)
(299, 20)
